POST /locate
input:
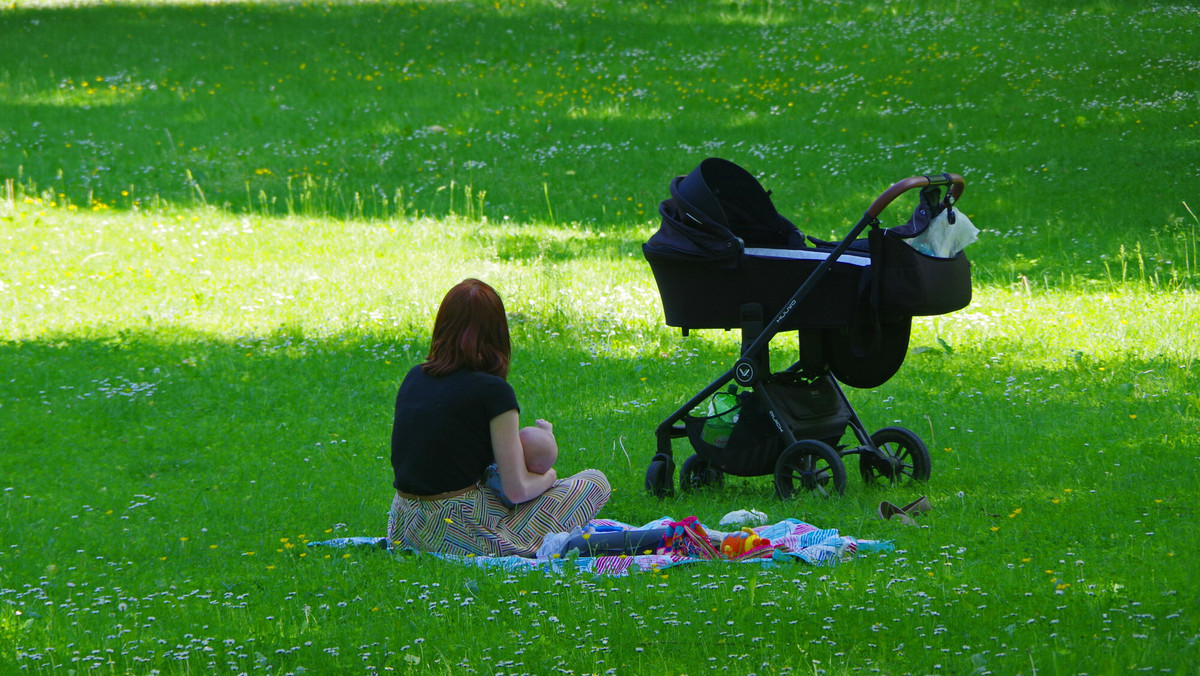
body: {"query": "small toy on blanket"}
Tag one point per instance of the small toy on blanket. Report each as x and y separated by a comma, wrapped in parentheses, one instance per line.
(746, 544)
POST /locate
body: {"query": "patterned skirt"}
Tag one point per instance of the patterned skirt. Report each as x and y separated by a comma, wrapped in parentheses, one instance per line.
(476, 522)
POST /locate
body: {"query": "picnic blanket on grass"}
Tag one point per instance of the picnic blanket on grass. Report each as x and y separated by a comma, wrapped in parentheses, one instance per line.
(793, 541)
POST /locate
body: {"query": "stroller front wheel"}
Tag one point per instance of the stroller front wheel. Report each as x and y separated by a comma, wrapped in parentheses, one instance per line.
(659, 479)
(810, 465)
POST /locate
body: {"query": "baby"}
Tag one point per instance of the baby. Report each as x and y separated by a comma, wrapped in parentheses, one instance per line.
(541, 452)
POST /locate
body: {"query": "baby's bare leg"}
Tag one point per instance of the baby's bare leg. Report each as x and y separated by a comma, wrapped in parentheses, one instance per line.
(541, 449)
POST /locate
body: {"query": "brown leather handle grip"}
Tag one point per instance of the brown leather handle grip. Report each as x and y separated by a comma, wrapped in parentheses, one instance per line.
(956, 183)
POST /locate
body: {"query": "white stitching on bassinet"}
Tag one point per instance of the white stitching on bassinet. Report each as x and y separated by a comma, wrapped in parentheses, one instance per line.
(803, 254)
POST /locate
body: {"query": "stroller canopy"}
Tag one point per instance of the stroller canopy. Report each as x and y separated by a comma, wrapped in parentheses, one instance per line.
(714, 213)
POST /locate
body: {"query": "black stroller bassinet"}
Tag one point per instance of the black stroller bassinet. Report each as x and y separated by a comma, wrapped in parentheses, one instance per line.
(724, 258)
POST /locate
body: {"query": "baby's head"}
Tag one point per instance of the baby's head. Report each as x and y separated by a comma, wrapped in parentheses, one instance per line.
(541, 450)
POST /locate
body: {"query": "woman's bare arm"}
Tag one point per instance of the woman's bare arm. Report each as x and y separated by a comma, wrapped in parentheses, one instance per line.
(520, 485)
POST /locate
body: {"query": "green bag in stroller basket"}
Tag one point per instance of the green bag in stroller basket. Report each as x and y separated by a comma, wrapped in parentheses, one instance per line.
(720, 416)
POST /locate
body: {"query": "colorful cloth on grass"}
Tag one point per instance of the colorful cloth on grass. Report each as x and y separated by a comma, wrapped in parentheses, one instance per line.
(795, 541)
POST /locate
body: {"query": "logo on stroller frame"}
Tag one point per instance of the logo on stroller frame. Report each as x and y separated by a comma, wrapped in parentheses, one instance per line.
(778, 425)
(744, 372)
(787, 310)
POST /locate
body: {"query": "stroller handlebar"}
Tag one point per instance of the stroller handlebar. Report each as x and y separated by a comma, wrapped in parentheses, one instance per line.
(956, 183)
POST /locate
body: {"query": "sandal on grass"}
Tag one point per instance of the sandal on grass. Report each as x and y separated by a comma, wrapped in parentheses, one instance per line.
(890, 512)
(918, 506)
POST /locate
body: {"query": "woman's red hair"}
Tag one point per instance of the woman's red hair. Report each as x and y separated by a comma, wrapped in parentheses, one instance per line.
(470, 332)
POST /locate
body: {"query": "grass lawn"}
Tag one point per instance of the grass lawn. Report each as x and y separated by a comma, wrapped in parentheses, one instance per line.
(225, 228)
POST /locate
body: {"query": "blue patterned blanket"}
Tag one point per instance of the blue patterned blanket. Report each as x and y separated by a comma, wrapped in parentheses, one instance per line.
(794, 542)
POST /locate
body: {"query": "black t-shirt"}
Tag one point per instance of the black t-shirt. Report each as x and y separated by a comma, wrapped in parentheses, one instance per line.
(441, 436)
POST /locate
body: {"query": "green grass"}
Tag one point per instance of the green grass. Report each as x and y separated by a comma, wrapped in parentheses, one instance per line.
(208, 296)
(1062, 119)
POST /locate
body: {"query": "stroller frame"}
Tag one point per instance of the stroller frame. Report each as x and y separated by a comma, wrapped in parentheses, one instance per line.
(811, 458)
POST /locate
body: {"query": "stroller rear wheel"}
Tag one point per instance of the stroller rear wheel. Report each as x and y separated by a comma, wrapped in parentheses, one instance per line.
(698, 473)
(812, 466)
(910, 458)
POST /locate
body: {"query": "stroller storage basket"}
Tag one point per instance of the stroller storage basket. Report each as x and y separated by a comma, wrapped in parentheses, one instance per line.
(811, 408)
(751, 446)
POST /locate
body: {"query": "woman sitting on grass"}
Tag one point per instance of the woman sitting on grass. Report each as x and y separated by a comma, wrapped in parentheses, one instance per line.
(456, 415)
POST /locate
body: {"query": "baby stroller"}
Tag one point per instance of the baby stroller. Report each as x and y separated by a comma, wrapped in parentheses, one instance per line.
(724, 258)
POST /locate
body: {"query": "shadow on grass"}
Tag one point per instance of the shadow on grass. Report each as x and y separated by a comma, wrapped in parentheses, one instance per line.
(346, 110)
